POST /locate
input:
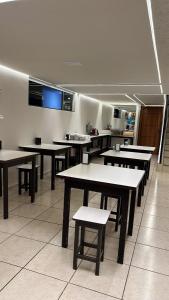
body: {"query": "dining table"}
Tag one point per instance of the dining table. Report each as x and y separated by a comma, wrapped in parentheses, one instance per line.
(137, 148)
(132, 159)
(106, 180)
(50, 150)
(78, 145)
(10, 158)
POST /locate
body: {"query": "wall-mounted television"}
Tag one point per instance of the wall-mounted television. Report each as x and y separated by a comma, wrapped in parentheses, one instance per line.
(51, 98)
(117, 113)
(48, 97)
(67, 103)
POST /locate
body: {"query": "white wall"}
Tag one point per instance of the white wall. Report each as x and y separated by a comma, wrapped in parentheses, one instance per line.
(22, 122)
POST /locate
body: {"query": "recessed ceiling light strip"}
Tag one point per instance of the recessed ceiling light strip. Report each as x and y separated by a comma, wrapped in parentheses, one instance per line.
(130, 98)
(138, 94)
(7, 69)
(106, 94)
(43, 82)
(122, 103)
(154, 105)
(150, 14)
(107, 85)
(3, 1)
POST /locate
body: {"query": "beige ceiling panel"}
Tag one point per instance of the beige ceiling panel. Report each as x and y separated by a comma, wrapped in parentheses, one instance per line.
(109, 41)
(152, 99)
(113, 98)
(95, 90)
(161, 23)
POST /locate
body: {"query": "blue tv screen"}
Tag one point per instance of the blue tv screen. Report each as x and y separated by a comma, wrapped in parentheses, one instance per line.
(51, 98)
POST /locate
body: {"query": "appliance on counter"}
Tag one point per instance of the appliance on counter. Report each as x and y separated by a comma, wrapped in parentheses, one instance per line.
(94, 131)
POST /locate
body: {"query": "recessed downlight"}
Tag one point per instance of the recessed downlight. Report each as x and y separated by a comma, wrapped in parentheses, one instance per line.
(73, 63)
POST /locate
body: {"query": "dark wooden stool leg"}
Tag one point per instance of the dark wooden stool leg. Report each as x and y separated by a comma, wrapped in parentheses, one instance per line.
(85, 198)
(103, 242)
(26, 181)
(76, 242)
(140, 192)
(19, 182)
(63, 165)
(29, 182)
(36, 180)
(118, 214)
(82, 238)
(0, 182)
(102, 201)
(105, 202)
(99, 247)
(58, 165)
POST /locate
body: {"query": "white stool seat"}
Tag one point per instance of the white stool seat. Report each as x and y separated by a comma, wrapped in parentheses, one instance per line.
(27, 167)
(92, 215)
(61, 157)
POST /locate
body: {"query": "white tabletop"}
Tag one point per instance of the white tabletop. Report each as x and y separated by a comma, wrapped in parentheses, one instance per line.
(135, 147)
(123, 177)
(126, 154)
(75, 142)
(93, 215)
(45, 147)
(6, 155)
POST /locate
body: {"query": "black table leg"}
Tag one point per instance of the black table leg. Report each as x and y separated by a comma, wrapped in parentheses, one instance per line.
(5, 192)
(131, 214)
(80, 154)
(148, 169)
(124, 215)
(32, 188)
(85, 198)
(0, 182)
(66, 211)
(140, 193)
(41, 166)
(67, 156)
(53, 172)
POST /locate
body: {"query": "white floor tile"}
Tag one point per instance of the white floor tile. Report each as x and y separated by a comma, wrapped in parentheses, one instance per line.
(153, 237)
(151, 258)
(146, 285)
(155, 222)
(13, 224)
(53, 215)
(7, 272)
(4, 236)
(53, 261)
(73, 292)
(29, 210)
(18, 250)
(32, 286)
(39, 230)
(156, 210)
(110, 282)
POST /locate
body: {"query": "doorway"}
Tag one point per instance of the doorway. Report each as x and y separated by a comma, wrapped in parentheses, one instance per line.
(150, 127)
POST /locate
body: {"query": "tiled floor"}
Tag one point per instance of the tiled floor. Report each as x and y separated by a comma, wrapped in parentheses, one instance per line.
(33, 266)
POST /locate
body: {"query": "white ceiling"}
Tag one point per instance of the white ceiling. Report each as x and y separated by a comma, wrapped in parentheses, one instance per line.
(113, 98)
(109, 41)
(149, 99)
(161, 24)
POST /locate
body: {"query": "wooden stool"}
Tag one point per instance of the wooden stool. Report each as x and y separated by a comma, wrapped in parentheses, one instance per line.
(91, 218)
(117, 213)
(58, 159)
(26, 170)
